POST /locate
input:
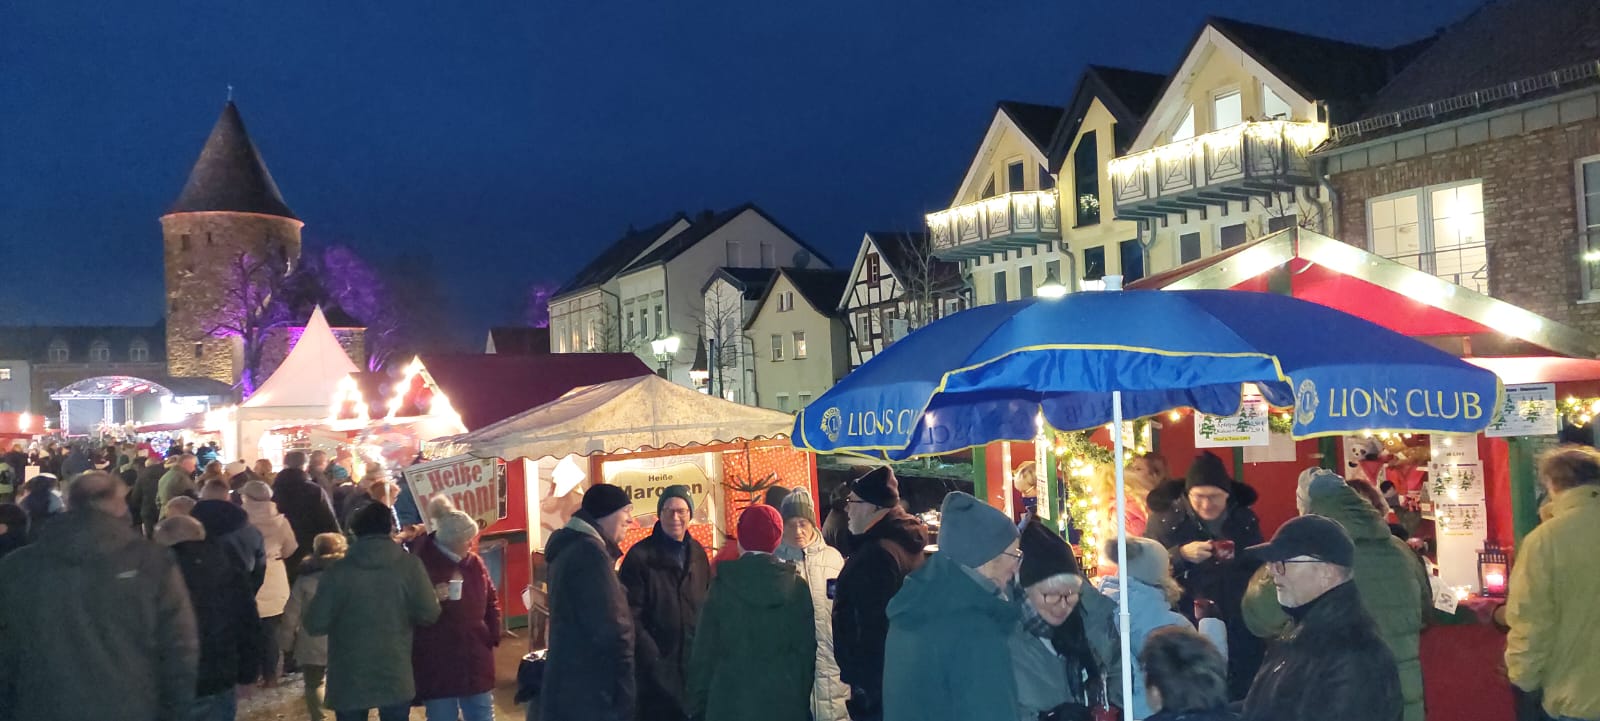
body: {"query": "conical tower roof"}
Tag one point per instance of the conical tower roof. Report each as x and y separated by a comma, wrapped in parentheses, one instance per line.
(230, 175)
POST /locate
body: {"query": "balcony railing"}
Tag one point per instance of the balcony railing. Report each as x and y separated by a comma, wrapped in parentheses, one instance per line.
(1247, 160)
(1014, 220)
(1464, 265)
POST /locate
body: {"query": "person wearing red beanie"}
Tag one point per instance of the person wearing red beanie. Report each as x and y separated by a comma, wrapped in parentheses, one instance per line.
(754, 652)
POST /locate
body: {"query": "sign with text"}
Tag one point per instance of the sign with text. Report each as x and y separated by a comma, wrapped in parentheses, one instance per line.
(477, 486)
(1248, 427)
(1462, 528)
(1528, 410)
(644, 479)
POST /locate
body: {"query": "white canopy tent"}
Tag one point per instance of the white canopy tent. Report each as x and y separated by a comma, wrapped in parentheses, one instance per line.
(300, 390)
(631, 414)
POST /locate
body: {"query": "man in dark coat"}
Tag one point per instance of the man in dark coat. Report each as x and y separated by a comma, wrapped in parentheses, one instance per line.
(228, 528)
(224, 611)
(306, 505)
(667, 577)
(1204, 521)
(890, 545)
(144, 496)
(589, 667)
(97, 622)
(1331, 665)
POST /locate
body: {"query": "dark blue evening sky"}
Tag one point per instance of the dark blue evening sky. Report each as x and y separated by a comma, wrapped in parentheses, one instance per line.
(512, 140)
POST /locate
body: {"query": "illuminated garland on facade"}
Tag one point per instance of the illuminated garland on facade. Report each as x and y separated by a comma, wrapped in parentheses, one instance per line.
(1579, 411)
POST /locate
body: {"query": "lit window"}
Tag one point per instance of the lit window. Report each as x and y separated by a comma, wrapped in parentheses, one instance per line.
(5, 374)
(1272, 106)
(628, 325)
(1438, 230)
(1589, 223)
(777, 347)
(1185, 127)
(799, 344)
(661, 319)
(1227, 110)
(1086, 180)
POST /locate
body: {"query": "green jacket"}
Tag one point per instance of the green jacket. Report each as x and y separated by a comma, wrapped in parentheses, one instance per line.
(1392, 582)
(1555, 621)
(948, 656)
(755, 648)
(366, 604)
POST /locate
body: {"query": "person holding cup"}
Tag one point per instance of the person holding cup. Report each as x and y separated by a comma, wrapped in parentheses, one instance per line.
(1203, 521)
(453, 660)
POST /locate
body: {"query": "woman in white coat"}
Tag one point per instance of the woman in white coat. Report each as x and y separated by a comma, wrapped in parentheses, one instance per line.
(278, 538)
(819, 564)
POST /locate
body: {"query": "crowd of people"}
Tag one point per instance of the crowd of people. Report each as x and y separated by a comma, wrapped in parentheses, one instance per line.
(165, 588)
(857, 619)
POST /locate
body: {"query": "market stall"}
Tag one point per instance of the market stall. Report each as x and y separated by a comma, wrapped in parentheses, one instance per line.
(296, 393)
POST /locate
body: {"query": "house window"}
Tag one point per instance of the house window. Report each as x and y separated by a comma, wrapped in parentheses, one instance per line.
(785, 301)
(893, 328)
(952, 306)
(1437, 229)
(1046, 180)
(58, 351)
(783, 401)
(1000, 287)
(1272, 106)
(661, 319)
(733, 253)
(1025, 282)
(769, 257)
(1052, 269)
(1094, 263)
(988, 188)
(628, 326)
(1231, 236)
(139, 351)
(99, 352)
(1279, 222)
(799, 344)
(874, 272)
(5, 374)
(1188, 247)
(805, 399)
(1589, 224)
(1185, 127)
(777, 347)
(1227, 109)
(1086, 180)
(1132, 257)
(863, 331)
(1015, 178)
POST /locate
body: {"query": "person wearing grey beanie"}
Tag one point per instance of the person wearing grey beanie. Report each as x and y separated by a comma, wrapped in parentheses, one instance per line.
(819, 564)
(452, 660)
(951, 619)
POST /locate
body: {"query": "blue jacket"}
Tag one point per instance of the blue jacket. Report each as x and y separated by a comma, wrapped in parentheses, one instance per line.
(1148, 610)
(948, 656)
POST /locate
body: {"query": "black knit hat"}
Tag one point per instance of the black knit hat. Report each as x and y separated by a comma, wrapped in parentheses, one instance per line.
(604, 499)
(675, 491)
(775, 496)
(1044, 555)
(1207, 470)
(878, 487)
(374, 519)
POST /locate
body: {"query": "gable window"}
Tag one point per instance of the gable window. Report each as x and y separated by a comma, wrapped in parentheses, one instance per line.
(628, 327)
(1272, 106)
(1046, 180)
(1231, 236)
(733, 253)
(1015, 177)
(1000, 287)
(99, 352)
(769, 256)
(1589, 224)
(1184, 130)
(1188, 247)
(874, 271)
(1086, 180)
(1094, 263)
(1132, 257)
(1025, 282)
(988, 189)
(58, 351)
(864, 331)
(785, 302)
(139, 351)
(661, 319)
(1227, 109)
(799, 344)
(1437, 229)
(777, 347)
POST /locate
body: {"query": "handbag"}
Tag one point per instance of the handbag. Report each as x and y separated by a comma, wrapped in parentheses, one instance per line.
(530, 676)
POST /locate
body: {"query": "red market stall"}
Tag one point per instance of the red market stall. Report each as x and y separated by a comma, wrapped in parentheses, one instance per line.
(643, 434)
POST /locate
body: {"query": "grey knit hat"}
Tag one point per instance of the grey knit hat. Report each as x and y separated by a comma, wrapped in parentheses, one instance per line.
(972, 532)
(798, 504)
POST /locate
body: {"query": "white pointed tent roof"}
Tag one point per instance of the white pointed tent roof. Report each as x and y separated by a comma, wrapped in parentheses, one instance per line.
(631, 414)
(311, 372)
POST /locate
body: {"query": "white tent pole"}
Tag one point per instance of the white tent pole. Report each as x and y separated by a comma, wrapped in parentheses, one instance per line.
(1123, 616)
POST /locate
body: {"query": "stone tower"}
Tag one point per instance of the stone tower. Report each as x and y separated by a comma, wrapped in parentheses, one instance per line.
(229, 219)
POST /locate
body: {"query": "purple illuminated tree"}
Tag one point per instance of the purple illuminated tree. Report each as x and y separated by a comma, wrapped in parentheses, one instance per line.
(251, 307)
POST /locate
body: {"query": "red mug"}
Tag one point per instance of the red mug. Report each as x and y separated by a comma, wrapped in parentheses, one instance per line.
(1222, 550)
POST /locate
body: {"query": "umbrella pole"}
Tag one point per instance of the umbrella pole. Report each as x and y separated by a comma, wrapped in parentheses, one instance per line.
(1123, 616)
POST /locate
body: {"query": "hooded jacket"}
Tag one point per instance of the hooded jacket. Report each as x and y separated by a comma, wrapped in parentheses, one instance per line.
(308, 509)
(1555, 621)
(948, 654)
(308, 650)
(589, 665)
(665, 599)
(367, 604)
(755, 652)
(1392, 582)
(174, 482)
(229, 527)
(1331, 666)
(1174, 523)
(224, 610)
(97, 615)
(455, 655)
(278, 537)
(819, 563)
(889, 551)
(1148, 610)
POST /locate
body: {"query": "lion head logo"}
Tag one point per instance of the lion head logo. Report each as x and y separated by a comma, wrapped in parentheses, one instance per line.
(1305, 403)
(831, 422)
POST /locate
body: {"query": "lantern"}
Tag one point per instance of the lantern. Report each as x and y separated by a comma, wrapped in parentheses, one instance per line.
(1493, 570)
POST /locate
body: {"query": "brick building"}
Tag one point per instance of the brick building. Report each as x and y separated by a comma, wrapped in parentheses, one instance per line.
(1480, 162)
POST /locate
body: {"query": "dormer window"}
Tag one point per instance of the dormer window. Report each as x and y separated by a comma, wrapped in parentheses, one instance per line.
(139, 351)
(99, 352)
(58, 351)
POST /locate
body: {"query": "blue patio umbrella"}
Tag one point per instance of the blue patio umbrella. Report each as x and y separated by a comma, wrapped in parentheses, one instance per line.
(1088, 359)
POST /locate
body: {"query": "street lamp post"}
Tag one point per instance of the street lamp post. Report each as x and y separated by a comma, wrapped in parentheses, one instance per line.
(665, 349)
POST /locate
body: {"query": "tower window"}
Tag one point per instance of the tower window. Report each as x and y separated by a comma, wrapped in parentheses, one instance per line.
(199, 350)
(183, 242)
(209, 240)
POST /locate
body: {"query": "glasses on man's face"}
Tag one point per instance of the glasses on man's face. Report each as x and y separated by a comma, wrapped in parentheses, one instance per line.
(1215, 499)
(1017, 554)
(676, 512)
(1282, 567)
(1056, 599)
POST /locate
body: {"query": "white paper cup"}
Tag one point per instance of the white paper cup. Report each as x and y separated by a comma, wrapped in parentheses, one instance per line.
(455, 589)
